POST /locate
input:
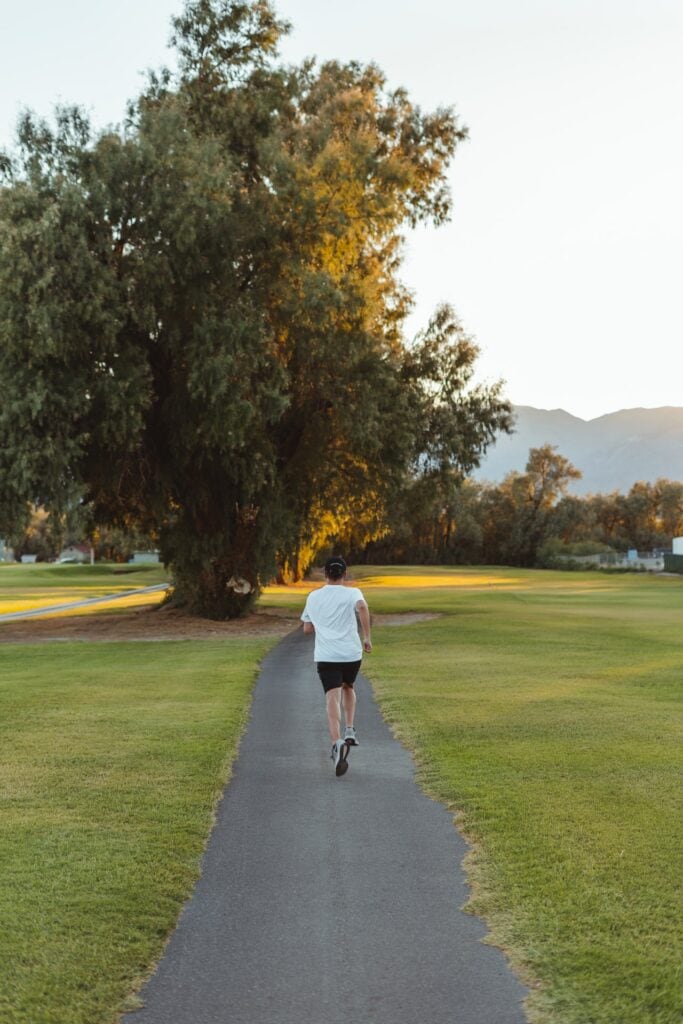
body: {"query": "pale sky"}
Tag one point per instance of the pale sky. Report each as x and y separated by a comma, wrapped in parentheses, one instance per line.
(564, 254)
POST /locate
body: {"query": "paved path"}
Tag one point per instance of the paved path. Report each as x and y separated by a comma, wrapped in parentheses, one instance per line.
(51, 609)
(325, 899)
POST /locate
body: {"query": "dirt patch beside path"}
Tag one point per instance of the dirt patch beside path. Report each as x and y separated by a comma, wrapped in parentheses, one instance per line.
(145, 624)
(167, 624)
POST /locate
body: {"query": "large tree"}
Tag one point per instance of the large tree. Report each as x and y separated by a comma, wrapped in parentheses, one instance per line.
(517, 514)
(200, 315)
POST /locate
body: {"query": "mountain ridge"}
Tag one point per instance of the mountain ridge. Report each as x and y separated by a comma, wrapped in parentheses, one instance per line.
(613, 451)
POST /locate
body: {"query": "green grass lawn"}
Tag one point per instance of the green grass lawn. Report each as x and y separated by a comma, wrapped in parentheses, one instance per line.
(112, 756)
(97, 578)
(541, 707)
(544, 708)
(23, 587)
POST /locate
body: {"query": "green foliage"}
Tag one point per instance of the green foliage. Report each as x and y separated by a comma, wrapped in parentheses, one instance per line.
(201, 319)
(520, 508)
(557, 554)
(112, 544)
(36, 537)
(444, 519)
(528, 519)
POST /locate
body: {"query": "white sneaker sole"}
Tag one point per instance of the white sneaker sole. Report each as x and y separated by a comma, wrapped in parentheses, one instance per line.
(342, 764)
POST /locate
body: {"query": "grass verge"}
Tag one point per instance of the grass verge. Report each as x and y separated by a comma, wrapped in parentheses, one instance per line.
(112, 756)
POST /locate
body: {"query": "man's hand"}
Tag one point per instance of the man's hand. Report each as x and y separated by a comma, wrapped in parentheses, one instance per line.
(367, 646)
(309, 627)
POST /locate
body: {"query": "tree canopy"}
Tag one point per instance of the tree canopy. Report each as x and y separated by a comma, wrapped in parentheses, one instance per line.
(201, 318)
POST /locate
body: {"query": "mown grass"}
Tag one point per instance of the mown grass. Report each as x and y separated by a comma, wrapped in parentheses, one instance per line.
(24, 587)
(98, 578)
(544, 708)
(112, 756)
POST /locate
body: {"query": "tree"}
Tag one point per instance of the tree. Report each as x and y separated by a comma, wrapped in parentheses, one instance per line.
(431, 518)
(113, 544)
(518, 513)
(639, 520)
(200, 314)
(37, 537)
(605, 512)
(670, 503)
(571, 520)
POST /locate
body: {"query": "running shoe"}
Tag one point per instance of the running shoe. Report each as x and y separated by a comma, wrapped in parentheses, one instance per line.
(350, 736)
(340, 751)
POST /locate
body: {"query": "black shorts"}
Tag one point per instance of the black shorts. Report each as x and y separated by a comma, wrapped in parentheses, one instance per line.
(334, 673)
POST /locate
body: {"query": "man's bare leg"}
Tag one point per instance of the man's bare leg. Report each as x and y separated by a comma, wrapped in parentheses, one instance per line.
(349, 702)
(333, 700)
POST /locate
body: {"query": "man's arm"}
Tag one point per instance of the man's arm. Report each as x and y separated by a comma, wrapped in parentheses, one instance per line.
(364, 616)
(306, 619)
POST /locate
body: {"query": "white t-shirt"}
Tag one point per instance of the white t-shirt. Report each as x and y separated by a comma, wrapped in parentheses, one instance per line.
(332, 610)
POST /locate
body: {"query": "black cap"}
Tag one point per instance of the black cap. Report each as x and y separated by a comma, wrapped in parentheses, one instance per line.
(335, 567)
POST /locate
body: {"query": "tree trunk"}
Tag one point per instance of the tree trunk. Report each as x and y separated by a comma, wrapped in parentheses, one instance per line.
(289, 570)
(213, 572)
(213, 590)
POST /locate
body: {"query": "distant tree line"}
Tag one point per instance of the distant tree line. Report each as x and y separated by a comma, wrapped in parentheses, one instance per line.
(528, 519)
(443, 518)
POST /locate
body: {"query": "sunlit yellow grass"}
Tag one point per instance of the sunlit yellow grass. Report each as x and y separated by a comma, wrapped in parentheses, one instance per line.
(78, 593)
(447, 580)
(25, 588)
(50, 597)
(396, 581)
(304, 587)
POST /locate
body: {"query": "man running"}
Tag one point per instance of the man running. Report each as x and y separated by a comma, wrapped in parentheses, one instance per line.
(330, 613)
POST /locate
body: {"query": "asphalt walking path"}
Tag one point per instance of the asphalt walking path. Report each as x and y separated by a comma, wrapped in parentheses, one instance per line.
(324, 898)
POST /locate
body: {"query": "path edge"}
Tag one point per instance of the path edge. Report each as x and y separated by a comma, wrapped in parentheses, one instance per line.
(133, 1001)
(471, 867)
